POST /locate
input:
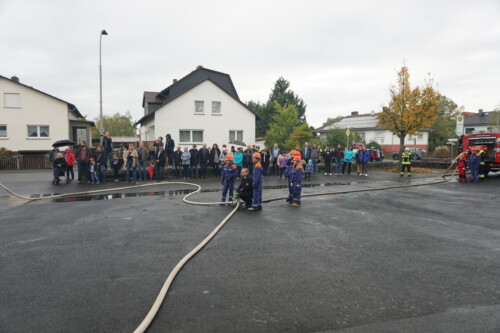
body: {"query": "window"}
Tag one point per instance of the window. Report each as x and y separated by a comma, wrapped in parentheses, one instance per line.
(235, 135)
(36, 131)
(188, 136)
(11, 100)
(185, 136)
(215, 107)
(199, 106)
(3, 131)
(198, 136)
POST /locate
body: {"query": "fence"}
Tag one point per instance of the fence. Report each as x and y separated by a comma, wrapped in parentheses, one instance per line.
(24, 162)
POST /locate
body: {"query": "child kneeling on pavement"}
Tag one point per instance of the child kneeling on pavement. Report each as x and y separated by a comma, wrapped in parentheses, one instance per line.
(245, 190)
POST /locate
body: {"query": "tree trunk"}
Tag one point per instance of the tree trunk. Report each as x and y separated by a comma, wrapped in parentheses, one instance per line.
(401, 144)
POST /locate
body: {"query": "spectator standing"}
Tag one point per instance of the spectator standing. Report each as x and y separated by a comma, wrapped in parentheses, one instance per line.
(117, 165)
(53, 154)
(276, 154)
(204, 156)
(195, 160)
(215, 160)
(315, 155)
(100, 159)
(282, 163)
(178, 162)
(169, 148)
(223, 155)
(306, 152)
(185, 161)
(365, 158)
(83, 158)
(247, 158)
(70, 160)
(265, 160)
(348, 155)
(93, 171)
(160, 163)
(157, 144)
(131, 158)
(338, 154)
(328, 157)
(107, 143)
(142, 169)
(238, 159)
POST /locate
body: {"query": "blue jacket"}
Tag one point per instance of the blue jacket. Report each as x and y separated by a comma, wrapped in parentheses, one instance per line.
(229, 172)
(364, 156)
(297, 173)
(348, 154)
(474, 161)
(238, 159)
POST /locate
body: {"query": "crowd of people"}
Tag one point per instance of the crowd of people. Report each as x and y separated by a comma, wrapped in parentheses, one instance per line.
(142, 164)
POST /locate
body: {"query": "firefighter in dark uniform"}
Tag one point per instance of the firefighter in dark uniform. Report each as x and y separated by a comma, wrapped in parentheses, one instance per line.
(257, 183)
(482, 154)
(406, 162)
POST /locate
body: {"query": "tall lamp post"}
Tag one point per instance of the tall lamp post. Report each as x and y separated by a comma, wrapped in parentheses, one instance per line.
(101, 122)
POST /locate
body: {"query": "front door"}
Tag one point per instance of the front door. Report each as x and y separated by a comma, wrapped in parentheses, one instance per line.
(80, 134)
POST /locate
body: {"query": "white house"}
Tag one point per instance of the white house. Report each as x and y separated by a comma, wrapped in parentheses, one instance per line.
(31, 120)
(202, 107)
(482, 121)
(365, 125)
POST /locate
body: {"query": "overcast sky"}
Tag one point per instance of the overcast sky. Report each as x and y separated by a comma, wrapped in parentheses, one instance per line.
(340, 56)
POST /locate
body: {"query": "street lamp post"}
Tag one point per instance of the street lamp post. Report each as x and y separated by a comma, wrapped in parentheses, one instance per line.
(101, 120)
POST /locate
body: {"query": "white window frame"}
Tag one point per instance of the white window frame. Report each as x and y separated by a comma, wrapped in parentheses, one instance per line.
(6, 133)
(38, 137)
(236, 135)
(6, 100)
(191, 136)
(214, 103)
(202, 103)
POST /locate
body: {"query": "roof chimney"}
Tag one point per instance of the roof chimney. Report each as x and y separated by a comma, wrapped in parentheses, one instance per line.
(175, 81)
(14, 78)
(480, 112)
(199, 67)
(354, 113)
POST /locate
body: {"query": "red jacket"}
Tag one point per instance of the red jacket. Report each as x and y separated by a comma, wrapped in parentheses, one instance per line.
(69, 157)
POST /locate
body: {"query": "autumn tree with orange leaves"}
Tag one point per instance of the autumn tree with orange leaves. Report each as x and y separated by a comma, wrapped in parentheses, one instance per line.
(410, 110)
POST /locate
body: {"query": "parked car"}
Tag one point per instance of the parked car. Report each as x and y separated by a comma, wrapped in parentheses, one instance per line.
(416, 154)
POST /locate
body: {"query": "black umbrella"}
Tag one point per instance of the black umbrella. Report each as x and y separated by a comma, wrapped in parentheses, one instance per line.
(238, 143)
(62, 143)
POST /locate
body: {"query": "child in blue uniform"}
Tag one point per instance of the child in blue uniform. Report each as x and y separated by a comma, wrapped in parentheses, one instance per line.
(257, 183)
(288, 174)
(297, 173)
(229, 173)
(474, 162)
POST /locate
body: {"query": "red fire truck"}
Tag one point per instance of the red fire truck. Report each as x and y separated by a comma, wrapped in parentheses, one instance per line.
(489, 142)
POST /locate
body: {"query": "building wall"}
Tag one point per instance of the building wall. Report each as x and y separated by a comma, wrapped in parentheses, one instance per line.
(180, 115)
(36, 109)
(388, 141)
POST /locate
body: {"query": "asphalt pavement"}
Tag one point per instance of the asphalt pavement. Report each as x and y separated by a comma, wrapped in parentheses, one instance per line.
(412, 259)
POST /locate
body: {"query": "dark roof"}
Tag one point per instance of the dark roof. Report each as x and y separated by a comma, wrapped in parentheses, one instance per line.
(188, 82)
(478, 119)
(150, 97)
(71, 107)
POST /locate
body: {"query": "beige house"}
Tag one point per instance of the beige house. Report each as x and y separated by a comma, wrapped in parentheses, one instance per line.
(31, 120)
